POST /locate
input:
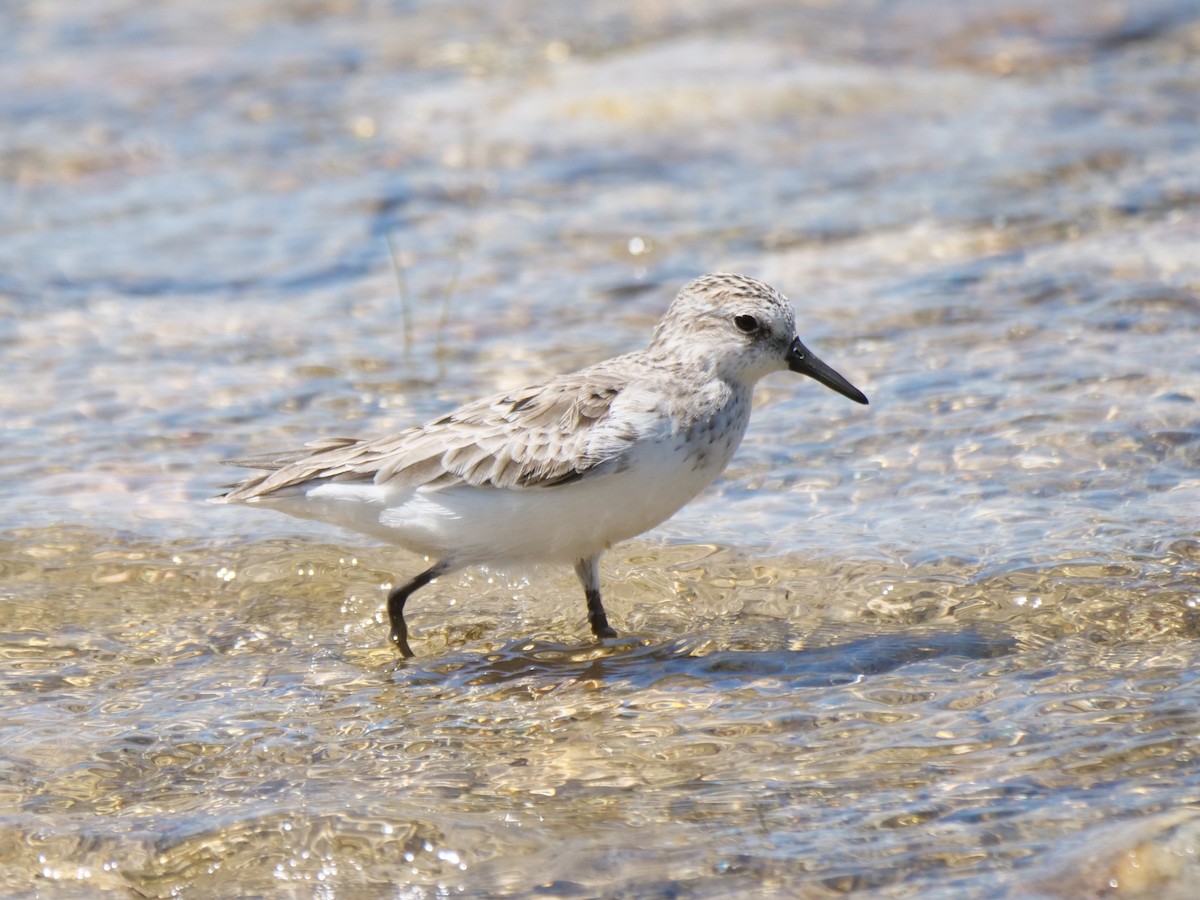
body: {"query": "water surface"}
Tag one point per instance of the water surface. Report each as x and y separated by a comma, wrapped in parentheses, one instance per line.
(942, 646)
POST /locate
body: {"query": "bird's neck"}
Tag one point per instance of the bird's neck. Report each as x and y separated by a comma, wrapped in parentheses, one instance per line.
(714, 399)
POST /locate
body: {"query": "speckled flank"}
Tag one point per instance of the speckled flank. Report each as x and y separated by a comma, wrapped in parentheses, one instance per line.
(555, 471)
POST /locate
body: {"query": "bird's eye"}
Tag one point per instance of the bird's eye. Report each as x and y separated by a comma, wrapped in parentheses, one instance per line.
(747, 324)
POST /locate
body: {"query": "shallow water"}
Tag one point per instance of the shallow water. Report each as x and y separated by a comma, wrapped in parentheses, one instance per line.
(945, 645)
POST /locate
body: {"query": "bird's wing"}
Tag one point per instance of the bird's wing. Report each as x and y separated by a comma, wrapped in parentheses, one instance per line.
(540, 436)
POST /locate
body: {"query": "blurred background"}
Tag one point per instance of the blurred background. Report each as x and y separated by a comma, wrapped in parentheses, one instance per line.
(942, 646)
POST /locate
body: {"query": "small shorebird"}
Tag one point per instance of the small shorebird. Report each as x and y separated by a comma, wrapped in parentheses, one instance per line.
(558, 471)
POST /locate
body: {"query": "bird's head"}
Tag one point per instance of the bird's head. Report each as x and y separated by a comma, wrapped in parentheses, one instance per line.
(744, 329)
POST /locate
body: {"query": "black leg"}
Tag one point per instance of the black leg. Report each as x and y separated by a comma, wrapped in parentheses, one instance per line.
(399, 596)
(600, 626)
(588, 571)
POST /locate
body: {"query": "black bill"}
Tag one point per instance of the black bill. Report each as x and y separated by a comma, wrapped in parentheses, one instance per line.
(800, 359)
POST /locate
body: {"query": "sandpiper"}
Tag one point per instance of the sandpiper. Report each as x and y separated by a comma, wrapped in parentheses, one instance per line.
(558, 471)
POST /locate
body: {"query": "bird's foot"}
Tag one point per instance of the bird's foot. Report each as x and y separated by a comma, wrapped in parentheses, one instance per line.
(602, 629)
(400, 639)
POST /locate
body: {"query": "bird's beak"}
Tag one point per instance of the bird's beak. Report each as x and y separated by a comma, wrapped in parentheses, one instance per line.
(800, 359)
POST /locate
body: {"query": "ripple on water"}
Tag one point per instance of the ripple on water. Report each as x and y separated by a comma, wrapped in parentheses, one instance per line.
(942, 646)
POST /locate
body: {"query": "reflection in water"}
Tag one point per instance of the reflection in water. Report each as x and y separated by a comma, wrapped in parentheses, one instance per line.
(641, 664)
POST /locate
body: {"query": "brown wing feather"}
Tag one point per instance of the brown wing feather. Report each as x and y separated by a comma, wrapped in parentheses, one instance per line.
(535, 437)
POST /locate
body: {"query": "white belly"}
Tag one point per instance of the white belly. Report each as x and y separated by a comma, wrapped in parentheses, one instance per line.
(571, 521)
